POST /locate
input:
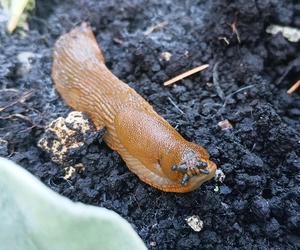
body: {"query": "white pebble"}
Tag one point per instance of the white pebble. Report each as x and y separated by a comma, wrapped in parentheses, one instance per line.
(195, 223)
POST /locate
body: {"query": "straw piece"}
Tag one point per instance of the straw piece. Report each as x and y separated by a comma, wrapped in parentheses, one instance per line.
(294, 87)
(186, 74)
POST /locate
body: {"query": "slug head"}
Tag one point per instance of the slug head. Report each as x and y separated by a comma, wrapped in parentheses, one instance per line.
(189, 165)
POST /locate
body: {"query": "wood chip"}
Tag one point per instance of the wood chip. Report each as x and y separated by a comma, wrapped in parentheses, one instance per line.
(186, 74)
(294, 87)
(225, 124)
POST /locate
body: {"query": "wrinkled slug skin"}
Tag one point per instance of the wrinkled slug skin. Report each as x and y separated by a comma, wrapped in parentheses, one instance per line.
(148, 144)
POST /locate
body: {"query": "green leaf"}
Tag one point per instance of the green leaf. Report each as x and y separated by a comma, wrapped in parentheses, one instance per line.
(17, 10)
(33, 217)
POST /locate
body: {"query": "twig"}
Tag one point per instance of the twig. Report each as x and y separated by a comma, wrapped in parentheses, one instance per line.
(16, 116)
(241, 89)
(155, 28)
(235, 92)
(186, 74)
(224, 38)
(22, 99)
(235, 30)
(9, 90)
(220, 92)
(22, 117)
(174, 104)
(227, 97)
(294, 87)
(118, 41)
(285, 73)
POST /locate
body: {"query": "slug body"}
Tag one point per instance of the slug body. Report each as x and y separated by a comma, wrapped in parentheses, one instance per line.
(149, 145)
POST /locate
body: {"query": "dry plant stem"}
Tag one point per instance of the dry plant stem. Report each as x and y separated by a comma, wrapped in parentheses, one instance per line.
(292, 65)
(175, 105)
(16, 9)
(149, 145)
(186, 74)
(155, 28)
(216, 82)
(294, 87)
(22, 99)
(235, 30)
(22, 117)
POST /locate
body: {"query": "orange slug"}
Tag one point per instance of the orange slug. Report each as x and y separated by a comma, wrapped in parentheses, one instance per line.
(149, 145)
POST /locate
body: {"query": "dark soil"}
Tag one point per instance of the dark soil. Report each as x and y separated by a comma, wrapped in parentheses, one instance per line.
(257, 206)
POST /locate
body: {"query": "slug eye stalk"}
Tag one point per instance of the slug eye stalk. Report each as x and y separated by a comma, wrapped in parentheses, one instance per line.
(190, 170)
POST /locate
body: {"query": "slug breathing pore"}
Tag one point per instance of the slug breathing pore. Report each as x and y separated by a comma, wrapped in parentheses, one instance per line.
(149, 145)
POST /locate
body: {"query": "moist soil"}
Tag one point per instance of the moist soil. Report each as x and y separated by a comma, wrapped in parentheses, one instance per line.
(257, 205)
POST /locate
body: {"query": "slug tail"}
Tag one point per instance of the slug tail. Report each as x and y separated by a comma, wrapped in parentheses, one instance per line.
(77, 57)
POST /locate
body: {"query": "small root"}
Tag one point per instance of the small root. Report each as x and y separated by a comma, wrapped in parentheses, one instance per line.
(22, 99)
(235, 30)
(174, 104)
(216, 83)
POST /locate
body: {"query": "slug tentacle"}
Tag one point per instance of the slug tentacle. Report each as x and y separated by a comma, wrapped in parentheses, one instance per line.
(149, 145)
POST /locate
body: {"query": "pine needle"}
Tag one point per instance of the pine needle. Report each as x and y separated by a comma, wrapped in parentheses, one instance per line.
(186, 74)
(294, 87)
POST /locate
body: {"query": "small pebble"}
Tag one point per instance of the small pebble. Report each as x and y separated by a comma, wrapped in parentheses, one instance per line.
(153, 244)
(67, 138)
(225, 124)
(195, 223)
(225, 190)
(220, 176)
(25, 62)
(166, 56)
(261, 208)
(3, 148)
(273, 228)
